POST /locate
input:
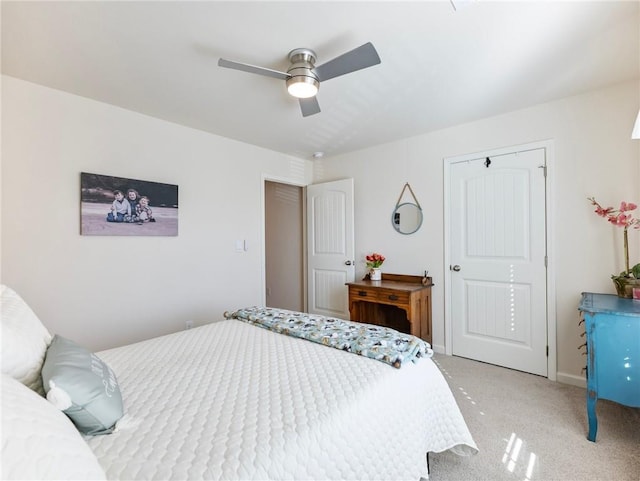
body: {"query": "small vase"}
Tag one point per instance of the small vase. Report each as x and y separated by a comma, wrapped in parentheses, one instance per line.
(625, 286)
(375, 274)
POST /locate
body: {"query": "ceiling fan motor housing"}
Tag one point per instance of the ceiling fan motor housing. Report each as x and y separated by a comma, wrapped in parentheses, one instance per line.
(303, 77)
(302, 74)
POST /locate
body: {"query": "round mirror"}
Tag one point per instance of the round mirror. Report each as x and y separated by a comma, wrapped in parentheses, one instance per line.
(406, 218)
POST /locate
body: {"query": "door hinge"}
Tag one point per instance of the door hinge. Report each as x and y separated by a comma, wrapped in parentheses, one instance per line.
(546, 261)
(544, 170)
(547, 351)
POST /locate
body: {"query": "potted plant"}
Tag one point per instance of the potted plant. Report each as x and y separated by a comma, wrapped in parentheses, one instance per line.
(622, 217)
(374, 261)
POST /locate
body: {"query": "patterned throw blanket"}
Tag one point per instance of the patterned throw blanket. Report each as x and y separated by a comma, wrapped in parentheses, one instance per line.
(376, 342)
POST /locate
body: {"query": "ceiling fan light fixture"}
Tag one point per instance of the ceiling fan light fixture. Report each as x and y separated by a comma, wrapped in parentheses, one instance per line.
(302, 87)
(303, 78)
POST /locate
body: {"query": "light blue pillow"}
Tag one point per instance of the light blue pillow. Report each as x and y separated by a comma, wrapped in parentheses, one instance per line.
(80, 384)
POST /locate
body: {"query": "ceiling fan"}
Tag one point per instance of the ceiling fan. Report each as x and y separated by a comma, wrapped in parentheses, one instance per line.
(303, 77)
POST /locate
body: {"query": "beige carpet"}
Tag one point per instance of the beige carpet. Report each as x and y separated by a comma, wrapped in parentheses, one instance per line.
(530, 428)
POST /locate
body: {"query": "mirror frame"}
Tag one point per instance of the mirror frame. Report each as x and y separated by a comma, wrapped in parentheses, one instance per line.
(397, 227)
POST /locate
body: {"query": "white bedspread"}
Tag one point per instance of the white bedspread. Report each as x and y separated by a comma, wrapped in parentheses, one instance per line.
(233, 401)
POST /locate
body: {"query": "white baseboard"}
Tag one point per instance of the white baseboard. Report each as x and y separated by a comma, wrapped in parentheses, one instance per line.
(562, 377)
(572, 379)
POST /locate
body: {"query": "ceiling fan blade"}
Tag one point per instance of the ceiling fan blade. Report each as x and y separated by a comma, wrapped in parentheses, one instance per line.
(309, 106)
(356, 59)
(245, 67)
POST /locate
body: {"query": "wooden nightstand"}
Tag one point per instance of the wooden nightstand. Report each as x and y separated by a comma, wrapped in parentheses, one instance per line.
(397, 301)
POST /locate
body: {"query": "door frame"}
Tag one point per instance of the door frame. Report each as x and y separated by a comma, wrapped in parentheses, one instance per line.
(548, 146)
(263, 248)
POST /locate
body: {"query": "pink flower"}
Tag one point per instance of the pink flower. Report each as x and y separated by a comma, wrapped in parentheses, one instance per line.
(374, 260)
(617, 217)
(620, 218)
(603, 212)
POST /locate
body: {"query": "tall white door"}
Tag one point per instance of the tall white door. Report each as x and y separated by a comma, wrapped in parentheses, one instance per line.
(498, 260)
(330, 247)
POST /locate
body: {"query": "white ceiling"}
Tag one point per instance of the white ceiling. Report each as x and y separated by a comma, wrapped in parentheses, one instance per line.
(440, 67)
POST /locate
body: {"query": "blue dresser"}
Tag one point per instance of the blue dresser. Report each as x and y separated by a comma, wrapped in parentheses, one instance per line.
(613, 352)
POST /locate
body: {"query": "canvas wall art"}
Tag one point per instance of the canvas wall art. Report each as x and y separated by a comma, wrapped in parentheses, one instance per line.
(127, 207)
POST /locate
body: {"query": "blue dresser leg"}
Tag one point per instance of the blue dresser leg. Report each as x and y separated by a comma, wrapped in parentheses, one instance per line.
(591, 412)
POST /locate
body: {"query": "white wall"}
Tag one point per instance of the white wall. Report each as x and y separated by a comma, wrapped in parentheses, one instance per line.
(49, 137)
(108, 291)
(594, 156)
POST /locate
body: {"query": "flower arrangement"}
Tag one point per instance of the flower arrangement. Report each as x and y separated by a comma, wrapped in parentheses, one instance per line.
(374, 260)
(621, 217)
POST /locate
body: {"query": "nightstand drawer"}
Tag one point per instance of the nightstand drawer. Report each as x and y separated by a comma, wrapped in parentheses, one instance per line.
(376, 294)
(363, 293)
(391, 296)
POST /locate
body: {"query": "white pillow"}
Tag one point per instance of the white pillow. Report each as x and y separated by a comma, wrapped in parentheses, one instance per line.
(40, 442)
(24, 340)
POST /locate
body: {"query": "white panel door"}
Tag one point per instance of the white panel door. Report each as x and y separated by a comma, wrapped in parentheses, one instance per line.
(330, 247)
(498, 268)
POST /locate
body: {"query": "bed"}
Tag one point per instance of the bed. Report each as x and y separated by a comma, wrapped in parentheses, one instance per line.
(232, 400)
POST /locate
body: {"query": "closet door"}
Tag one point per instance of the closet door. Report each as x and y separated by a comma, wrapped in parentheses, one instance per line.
(498, 260)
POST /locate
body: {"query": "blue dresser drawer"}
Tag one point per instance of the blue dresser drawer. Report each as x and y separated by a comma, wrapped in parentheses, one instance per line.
(613, 351)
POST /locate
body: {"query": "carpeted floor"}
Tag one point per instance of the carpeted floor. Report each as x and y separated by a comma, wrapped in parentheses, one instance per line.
(530, 428)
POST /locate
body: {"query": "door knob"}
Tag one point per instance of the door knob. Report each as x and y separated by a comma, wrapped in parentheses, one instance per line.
(348, 263)
(455, 268)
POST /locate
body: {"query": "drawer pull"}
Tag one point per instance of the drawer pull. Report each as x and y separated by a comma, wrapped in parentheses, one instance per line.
(393, 297)
(362, 293)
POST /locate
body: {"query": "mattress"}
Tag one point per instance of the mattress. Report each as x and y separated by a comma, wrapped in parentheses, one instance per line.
(233, 401)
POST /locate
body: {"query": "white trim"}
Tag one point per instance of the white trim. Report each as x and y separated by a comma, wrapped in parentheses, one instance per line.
(572, 379)
(548, 146)
(263, 248)
(552, 326)
(448, 346)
